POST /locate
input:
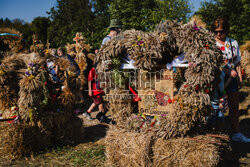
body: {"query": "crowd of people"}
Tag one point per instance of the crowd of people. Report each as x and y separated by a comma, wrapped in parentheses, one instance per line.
(229, 84)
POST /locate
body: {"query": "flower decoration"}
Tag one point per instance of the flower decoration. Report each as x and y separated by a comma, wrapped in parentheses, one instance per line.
(206, 46)
(206, 91)
(138, 42)
(2, 72)
(31, 71)
(197, 87)
(196, 28)
(222, 48)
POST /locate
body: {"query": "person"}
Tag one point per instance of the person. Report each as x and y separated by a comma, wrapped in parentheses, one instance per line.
(231, 53)
(61, 53)
(115, 28)
(95, 93)
(217, 115)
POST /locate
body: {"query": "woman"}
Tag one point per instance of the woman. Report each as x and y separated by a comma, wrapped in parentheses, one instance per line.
(231, 53)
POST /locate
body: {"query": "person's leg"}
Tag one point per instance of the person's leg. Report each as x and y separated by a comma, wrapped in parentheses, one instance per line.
(93, 105)
(233, 104)
(87, 114)
(101, 108)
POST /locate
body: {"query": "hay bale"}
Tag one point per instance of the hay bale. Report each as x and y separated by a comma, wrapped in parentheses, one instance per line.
(69, 133)
(21, 139)
(119, 107)
(24, 140)
(201, 151)
(127, 148)
(63, 128)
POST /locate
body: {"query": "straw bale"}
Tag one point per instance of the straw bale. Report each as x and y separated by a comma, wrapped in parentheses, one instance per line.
(120, 108)
(62, 127)
(23, 140)
(184, 152)
(128, 148)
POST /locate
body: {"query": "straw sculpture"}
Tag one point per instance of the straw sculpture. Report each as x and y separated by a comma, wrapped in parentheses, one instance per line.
(37, 45)
(192, 102)
(79, 51)
(9, 77)
(12, 41)
(45, 117)
(172, 144)
(144, 48)
(245, 59)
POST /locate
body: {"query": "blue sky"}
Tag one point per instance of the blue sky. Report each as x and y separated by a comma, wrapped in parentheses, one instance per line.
(27, 10)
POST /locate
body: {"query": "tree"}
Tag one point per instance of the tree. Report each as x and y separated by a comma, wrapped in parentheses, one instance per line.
(144, 15)
(237, 13)
(40, 27)
(69, 17)
(92, 17)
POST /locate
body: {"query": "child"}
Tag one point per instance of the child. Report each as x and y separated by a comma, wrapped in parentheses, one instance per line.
(217, 115)
(95, 93)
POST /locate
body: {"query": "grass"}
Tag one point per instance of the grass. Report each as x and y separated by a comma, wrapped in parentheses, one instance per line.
(93, 156)
(87, 155)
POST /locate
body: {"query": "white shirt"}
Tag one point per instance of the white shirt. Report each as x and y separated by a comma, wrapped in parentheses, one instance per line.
(178, 62)
(226, 50)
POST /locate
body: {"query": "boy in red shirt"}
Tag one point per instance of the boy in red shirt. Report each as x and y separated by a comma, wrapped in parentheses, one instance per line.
(95, 92)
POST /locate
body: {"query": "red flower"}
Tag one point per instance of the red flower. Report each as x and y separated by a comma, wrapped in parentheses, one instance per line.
(206, 91)
(208, 85)
(243, 72)
(197, 87)
(206, 46)
(222, 48)
(185, 86)
(45, 83)
(13, 118)
(169, 101)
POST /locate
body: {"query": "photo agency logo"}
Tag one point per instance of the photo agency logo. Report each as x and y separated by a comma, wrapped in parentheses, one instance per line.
(132, 83)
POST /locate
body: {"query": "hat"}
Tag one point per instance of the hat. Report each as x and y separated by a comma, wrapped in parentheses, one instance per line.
(115, 23)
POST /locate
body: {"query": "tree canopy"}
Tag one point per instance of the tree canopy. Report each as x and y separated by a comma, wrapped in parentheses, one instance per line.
(92, 17)
(236, 11)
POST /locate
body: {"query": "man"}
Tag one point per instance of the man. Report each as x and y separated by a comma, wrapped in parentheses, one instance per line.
(61, 53)
(115, 28)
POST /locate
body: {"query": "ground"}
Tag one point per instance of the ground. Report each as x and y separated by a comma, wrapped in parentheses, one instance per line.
(91, 152)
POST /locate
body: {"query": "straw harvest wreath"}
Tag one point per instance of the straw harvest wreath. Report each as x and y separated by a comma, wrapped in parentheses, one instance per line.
(148, 50)
(44, 112)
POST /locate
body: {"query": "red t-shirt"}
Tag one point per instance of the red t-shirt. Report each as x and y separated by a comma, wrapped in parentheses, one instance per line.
(95, 86)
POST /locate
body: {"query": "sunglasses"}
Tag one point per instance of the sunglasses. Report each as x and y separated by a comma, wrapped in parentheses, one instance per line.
(221, 32)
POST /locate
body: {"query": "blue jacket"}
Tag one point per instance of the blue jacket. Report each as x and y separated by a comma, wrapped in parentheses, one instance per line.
(73, 63)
